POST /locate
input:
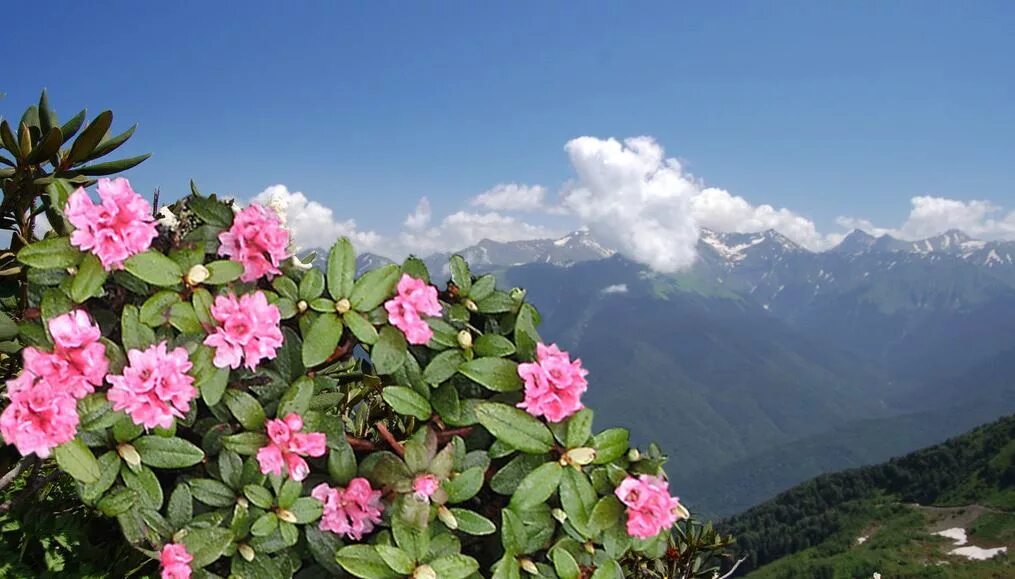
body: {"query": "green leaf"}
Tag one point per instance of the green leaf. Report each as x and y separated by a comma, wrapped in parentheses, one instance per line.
(306, 509)
(312, 284)
(245, 408)
(564, 564)
(578, 499)
(406, 401)
(413, 540)
(515, 427)
(245, 443)
(163, 452)
(78, 461)
(154, 268)
(155, 310)
(109, 469)
(526, 336)
(396, 558)
(119, 501)
(611, 444)
(203, 300)
(415, 267)
(513, 536)
(323, 545)
(286, 287)
(112, 167)
(259, 496)
(296, 398)
(288, 493)
(495, 374)
(360, 327)
(211, 211)
(146, 484)
(472, 523)
(607, 512)
(71, 127)
(579, 428)
(537, 487)
(230, 468)
(207, 545)
(454, 566)
(90, 137)
(608, 569)
(264, 525)
(341, 462)
(388, 354)
(443, 366)
(48, 146)
(364, 561)
(464, 486)
(223, 271)
(107, 146)
(507, 568)
(135, 335)
(460, 275)
(341, 269)
(181, 506)
(8, 328)
(493, 346)
(496, 303)
(212, 492)
(322, 339)
(52, 253)
(210, 380)
(183, 317)
(373, 287)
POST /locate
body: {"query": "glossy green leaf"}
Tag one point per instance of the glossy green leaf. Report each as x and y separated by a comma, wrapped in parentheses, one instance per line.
(162, 452)
(497, 374)
(515, 427)
(321, 340)
(51, 253)
(341, 269)
(537, 487)
(154, 268)
(407, 402)
(77, 460)
(374, 287)
(247, 410)
(388, 354)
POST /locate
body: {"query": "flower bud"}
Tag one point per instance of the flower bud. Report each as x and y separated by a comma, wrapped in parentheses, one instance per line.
(302, 306)
(682, 512)
(178, 536)
(72, 270)
(424, 572)
(529, 567)
(559, 514)
(590, 548)
(343, 305)
(580, 456)
(246, 552)
(287, 516)
(243, 502)
(471, 305)
(517, 294)
(447, 517)
(129, 454)
(465, 339)
(197, 275)
(633, 455)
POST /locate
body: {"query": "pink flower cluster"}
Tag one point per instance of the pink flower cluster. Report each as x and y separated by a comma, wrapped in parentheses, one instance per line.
(405, 311)
(351, 512)
(175, 561)
(42, 413)
(288, 446)
(154, 386)
(650, 508)
(120, 226)
(257, 240)
(248, 330)
(425, 485)
(553, 384)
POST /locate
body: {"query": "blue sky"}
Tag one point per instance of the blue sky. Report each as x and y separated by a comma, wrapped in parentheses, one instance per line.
(828, 109)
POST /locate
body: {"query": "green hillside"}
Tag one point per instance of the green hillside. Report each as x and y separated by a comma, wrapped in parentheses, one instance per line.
(813, 530)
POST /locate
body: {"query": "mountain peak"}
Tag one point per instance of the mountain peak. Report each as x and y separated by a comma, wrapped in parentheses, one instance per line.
(856, 242)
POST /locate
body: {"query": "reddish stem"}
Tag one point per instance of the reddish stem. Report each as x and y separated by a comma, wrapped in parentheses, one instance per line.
(359, 443)
(390, 439)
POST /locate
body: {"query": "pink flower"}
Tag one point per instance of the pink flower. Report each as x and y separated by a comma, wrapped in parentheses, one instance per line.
(553, 384)
(175, 561)
(414, 298)
(248, 330)
(425, 485)
(288, 446)
(352, 511)
(257, 240)
(650, 508)
(74, 330)
(79, 359)
(120, 226)
(154, 386)
(40, 415)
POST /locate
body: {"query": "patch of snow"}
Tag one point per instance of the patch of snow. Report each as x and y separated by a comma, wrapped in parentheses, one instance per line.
(978, 553)
(992, 257)
(617, 288)
(562, 241)
(732, 253)
(957, 534)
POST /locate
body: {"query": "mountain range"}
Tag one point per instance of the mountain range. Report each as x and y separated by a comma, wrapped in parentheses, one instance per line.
(765, 364)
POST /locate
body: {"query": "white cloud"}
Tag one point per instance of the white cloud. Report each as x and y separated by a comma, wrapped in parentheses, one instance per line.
(419, 218)
(634, 199)
(511, 197)
(313, 224)
(618, 288)
(930, 216)
(462, 229)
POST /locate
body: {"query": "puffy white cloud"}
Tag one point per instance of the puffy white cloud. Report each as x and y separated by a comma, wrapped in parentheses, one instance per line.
(719, 210)
(420, 217)
(617, 288)
(634, 199)
(463, 228)
(313, 224)
(930, 216)
(511, 197)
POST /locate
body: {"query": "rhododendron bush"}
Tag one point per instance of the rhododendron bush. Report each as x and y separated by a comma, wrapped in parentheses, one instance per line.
(240, 413)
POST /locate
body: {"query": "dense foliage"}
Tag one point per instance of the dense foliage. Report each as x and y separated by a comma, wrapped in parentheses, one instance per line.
(241, 413)
(974, 468)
